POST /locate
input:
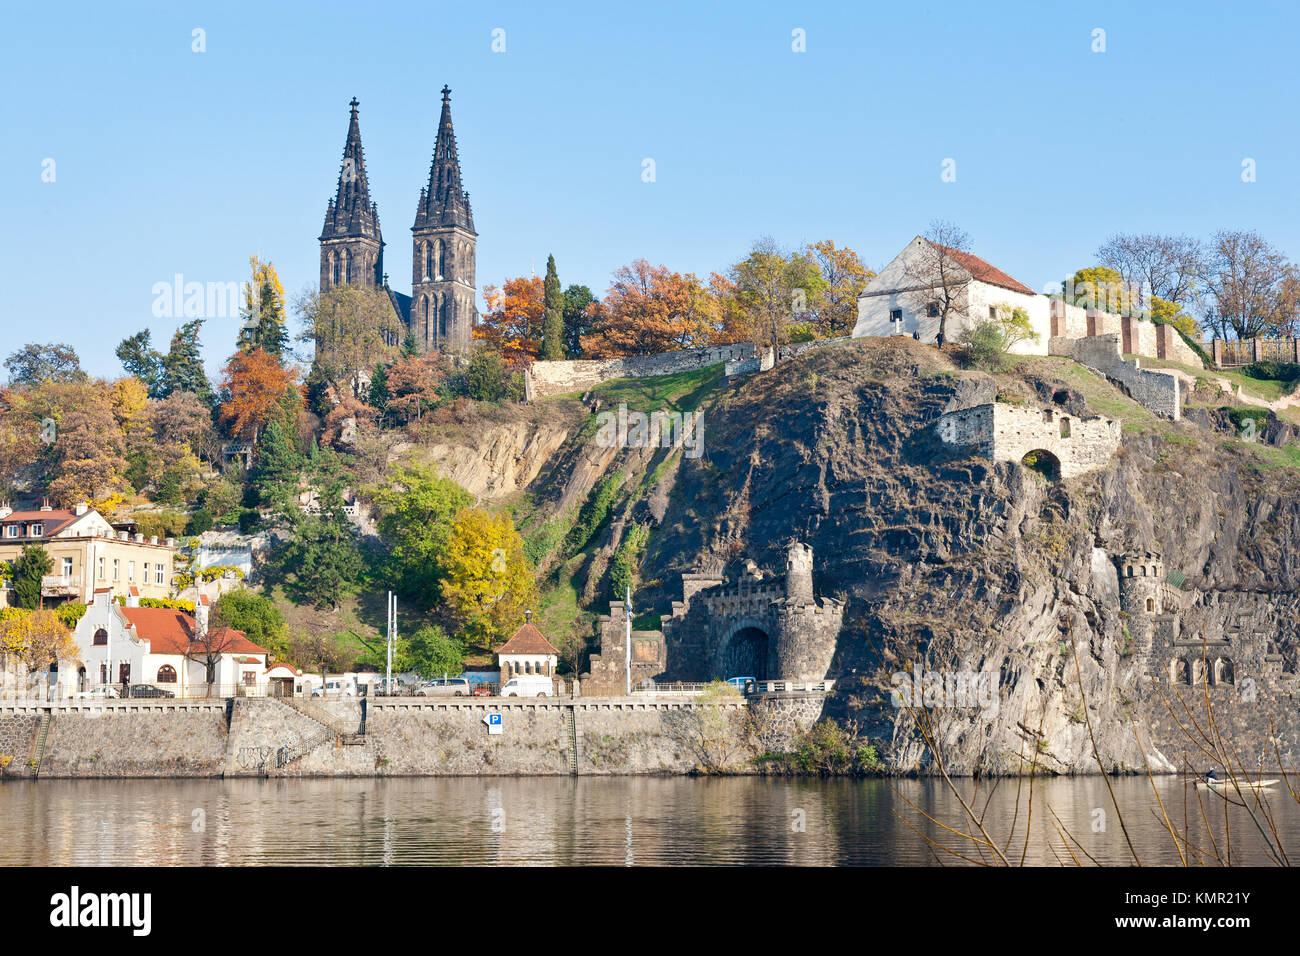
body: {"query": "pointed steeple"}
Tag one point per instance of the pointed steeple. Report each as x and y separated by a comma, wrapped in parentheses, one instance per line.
(444, 202)
(350, 213)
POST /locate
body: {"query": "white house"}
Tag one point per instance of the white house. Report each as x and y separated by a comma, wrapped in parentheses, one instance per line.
(904, 297)
(527, 652)
(163, 647)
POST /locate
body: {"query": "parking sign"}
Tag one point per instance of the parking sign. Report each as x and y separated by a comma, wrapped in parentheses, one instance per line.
(493, 722)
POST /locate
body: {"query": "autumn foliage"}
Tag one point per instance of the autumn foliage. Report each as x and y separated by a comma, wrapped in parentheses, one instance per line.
(513, 323)
(254, 383)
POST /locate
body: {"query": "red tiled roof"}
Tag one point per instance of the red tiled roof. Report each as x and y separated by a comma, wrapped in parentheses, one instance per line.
(54, 521)
(527, 640)
(171, 632)
(982, 271)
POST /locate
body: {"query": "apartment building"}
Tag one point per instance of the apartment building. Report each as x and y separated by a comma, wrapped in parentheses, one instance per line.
(88, 554)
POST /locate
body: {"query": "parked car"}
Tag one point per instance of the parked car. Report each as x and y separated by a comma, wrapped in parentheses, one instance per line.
(384, 687)
(445, 687)
(148, 690)
(482, 690)
(746, 685)
(529, 685)
(336, 688)
(98, 692)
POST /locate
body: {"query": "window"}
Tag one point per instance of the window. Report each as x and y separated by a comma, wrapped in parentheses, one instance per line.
(124, 673)
(250, 678)
(36, 530)
(166, 674)
(896, 315)
(11, 531)
(1151, 605)
(932, 310)
(101, 567)
(130, 571)
(101, 637)
(116, 568)
(145, 579)
(67, 567)
(1065, 428)
(993, 312)
(158, 574)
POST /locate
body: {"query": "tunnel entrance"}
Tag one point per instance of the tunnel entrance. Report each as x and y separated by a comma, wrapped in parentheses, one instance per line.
(746, 654)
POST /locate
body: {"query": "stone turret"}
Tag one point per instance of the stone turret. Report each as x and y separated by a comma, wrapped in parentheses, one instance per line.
(1141, 575)
(798, 574)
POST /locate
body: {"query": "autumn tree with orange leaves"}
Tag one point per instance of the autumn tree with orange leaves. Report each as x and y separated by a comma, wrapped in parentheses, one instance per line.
(415, 383)
(512, 324)
(254, 385)
(650, 309)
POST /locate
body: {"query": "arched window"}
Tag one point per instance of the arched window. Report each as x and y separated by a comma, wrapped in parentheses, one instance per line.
(1151, 605)
(334, 268)
(1065, 428)
(428, 261)
(442, 260)
(166, 674)
(101, 636)
(1178, 671)
(347, 268)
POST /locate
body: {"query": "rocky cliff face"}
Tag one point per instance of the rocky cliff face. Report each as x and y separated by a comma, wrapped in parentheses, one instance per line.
(950, 564)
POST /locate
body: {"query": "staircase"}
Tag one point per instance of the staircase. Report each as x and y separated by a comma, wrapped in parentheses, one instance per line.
(41, 735)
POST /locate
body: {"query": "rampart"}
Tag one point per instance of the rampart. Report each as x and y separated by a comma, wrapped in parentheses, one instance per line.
(1155, 389)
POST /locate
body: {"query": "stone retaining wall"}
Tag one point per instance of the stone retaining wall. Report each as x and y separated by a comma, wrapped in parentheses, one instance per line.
(404, 737)
(1155, 389)
(543, 379)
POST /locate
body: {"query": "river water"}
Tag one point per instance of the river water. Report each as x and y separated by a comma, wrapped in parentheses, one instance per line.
(616, 821)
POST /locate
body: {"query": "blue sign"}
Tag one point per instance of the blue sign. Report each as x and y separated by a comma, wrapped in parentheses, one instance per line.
(494, 719)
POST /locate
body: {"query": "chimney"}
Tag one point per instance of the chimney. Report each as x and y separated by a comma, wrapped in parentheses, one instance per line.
(5, 510)
(170, 542)
(528, 617)
(45, 504)
(81, 508)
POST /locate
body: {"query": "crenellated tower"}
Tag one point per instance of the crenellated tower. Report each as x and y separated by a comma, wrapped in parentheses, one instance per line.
(443, 312)
(351, 244)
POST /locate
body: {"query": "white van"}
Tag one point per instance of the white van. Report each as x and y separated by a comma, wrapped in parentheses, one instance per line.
(529, 685)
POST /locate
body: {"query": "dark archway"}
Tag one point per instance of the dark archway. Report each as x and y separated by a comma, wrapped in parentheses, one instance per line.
(1043, 462)
(746, 654)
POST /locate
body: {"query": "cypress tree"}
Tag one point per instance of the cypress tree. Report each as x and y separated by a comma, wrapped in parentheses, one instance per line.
(553, 322)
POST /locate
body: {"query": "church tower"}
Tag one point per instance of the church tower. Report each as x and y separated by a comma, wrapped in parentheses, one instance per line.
(351, 246)
(443, 312)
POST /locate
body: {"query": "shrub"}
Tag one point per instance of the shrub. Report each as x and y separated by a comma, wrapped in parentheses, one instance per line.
(984, 344)
(160, 524)
(593, 514)
(199, 522)
(1272, 371)
(485, 376)
(248, 521)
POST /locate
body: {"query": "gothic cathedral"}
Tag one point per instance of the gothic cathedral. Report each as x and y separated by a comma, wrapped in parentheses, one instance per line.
(440, 312)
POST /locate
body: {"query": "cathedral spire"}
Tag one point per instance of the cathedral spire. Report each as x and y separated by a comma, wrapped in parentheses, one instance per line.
(351, 212)
(444, 202)
(352, 246)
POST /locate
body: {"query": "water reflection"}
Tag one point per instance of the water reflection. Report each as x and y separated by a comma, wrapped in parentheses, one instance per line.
(625, 821)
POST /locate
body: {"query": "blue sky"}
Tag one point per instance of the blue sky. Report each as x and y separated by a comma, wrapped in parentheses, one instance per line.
(169, 161)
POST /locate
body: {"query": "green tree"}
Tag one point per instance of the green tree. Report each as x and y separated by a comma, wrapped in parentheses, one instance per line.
(416, 510)
(27, 570)
(257, 616)
(279, 463)
(577, 321)
(183, 365)
(776, 289)
(321, 561)
(263, 312)
(141, 360)
(553, 319)
(33, 364)
(485, 376)
(378, 397)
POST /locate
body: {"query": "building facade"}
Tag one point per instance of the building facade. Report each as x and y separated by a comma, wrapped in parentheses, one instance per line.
(88, 554)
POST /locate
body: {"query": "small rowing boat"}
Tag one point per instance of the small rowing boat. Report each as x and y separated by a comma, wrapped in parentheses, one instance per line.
(1228, 786)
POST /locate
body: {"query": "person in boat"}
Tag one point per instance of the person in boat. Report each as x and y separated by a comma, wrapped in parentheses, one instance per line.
(1211, 776)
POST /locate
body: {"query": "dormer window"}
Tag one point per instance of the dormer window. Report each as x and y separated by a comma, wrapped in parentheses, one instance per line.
(35, 530)
(11, 531)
